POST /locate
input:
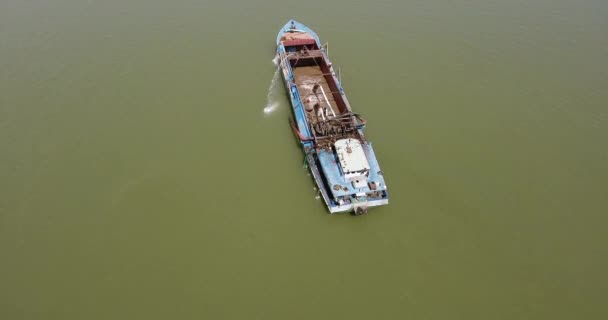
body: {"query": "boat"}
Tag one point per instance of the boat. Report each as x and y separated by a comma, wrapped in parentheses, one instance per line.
(341, 161)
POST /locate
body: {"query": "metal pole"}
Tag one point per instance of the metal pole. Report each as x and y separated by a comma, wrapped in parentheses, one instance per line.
(327, 101)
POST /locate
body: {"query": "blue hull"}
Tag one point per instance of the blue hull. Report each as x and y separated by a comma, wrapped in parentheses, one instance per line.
(341, 160)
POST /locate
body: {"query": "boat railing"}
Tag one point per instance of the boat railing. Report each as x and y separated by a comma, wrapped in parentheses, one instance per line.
(301, 118)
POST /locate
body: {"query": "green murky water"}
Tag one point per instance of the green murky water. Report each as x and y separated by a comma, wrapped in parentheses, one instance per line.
(140, 177)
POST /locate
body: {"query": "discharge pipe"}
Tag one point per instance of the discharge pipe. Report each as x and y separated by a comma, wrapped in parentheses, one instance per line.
(300, 135)
(314, 89)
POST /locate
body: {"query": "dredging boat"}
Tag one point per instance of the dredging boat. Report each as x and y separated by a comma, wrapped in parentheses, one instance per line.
(341, 161)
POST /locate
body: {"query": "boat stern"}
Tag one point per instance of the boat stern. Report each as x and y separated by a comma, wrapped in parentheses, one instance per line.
(352, 176)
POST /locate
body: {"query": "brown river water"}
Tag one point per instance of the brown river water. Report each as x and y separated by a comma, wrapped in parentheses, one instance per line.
(148, 170)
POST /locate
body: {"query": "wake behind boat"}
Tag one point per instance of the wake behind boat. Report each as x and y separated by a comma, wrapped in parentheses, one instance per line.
(341, 161)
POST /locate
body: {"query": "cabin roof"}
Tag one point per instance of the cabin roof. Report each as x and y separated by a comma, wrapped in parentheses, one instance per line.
(351, 156)
(338, 184)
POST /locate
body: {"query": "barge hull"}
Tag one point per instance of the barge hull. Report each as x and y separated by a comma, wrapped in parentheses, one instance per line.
(342, 162)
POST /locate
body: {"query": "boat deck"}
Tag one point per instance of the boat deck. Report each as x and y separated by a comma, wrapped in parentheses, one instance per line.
(306, 78)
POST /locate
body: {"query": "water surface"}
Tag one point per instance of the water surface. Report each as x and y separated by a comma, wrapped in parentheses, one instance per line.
(144, 174)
